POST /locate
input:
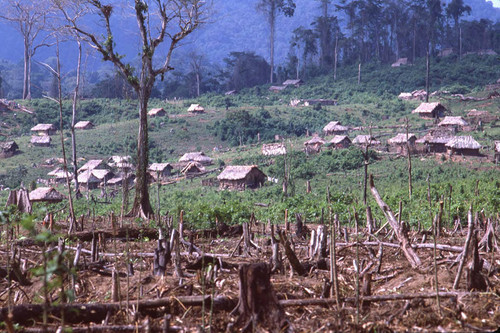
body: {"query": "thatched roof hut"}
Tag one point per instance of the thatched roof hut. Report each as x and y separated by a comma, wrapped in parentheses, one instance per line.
(199, 157)
(192, 169)
(115, 160)
(400, 139)
(314, 145)
(277, 89)
(46, 194)
(400, 62)
(103, 174)
(430, 110)
(475, 116)
(88, 178)
(93, 164)
(335, 128)
(157, 112)
(455, 122)
(436, 139)
(8, 149)
(44, 129)
(241, 177)
(464, 145)
(196, 108)
(40, 140)
(363, 140)
(340, 142)
(58, 175)
(160, 170)
(273, 149)
(295, 83)
(84, 125)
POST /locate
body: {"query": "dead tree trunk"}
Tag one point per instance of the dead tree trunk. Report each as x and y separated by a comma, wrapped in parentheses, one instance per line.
(292, 258)
(400, 232)
(258, 306)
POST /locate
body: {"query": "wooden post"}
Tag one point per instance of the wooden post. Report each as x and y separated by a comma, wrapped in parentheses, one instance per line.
(308, 186)
(287, 225)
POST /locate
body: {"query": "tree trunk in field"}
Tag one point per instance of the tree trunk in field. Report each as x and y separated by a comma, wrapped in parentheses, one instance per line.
(272, 23)
(73, 118)
(26, 69)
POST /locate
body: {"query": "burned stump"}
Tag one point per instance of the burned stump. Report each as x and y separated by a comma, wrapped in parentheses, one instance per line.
(258, 307)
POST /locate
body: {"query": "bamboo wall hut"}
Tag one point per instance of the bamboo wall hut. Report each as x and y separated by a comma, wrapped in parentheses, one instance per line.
(401, 143)
(103, 174)
(335, 128)
(430, 110)
(157, 112)
(193, 169)
(160, 171)
(435, 140)
(196, 108)
(88, 180)
(94, 164)
(58, 176)
(340, 142)
(477, 116)
(314, 145)
(8, 149)
(455, 123)
(363, 140)
(41, 141)
(241, 177)
(44, 129)
(45, 194)
(84, 125)
(199, 157)
(463, 145)
(273, 149)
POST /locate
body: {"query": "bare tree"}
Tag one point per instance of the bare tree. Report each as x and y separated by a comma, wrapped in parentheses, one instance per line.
(30, 19)
(172, 21)
(196, 64)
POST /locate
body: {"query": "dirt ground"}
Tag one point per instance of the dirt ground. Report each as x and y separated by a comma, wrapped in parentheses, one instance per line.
(465, 312)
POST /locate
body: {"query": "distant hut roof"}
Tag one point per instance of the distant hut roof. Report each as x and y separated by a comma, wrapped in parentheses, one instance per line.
(91, 165)
(88, 177)
(401, 138)
(196, 108)
(363, 139)
(453, 121)
(193, 167)
(273, 149)
(83, 124)
(101, 174)
(43, 127)
(293, 82)
(159, 167)
(428, 107)
(463, 142)
(115, 159)
(231, 92)
(155, 111)
(47, 194)
(59, 173)
(237, 172)
(277, 88)
(477, 113)
(40, 139)
(338, 139)
(497, 146)
(199, 157)
(330, 126)
(314, 141)
(8, 146)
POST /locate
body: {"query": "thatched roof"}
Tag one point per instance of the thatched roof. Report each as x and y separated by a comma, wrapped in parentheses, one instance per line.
(115, 159)
(338, 139)
(477, 113)
(8, 146)
(193, 167)
(273, 149)
(88, 177)
(463, 142)
(91, 165)
(199, 157)
(237, 172)
(59, 173)
(196, 108)
(48, 194)
(293, 82)
(159, 167)
(316, 140)
(453, 121)
(277, 88)
(401, 138)
(40, 139)
(155, 111)
(330, 126)
(101, 174)
(428, 107)
(363, 139)
(83, 124)
(43, 127)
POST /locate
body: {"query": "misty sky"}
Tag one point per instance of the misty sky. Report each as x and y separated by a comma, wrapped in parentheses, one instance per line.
(496, 3)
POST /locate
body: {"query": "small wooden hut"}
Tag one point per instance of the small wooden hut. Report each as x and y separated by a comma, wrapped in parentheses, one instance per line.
(44, 129)
(455, 123)
(196, 108)
(340, 142)
(240, 177)
(58, 176)
(277, 89)
(273, 149)
(199, 157)
(45, 194)
(477, 116)
(364, 140)
(401, 143)
(314, 145)
(160, 171)
(400, 62)
(435, 140)
(41, 141)
(335, 128)
(103, 174)
(88, 180)
(293, 83)
(430, 110)
(84, 125)
(497, 152)
(94, 164)
(193, 169)
(463, 145)
(8, 149)
(157, 112)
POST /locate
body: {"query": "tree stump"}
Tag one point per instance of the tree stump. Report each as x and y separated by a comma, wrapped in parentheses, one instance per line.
(258, 307)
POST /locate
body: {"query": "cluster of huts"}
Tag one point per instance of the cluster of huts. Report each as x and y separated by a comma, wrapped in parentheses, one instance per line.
(160, 112)
(42, 132)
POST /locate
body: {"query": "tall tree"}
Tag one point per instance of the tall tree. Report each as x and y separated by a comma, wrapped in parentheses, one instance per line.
(455, 10)
(30, 19)
(171, 21)
(271, 9)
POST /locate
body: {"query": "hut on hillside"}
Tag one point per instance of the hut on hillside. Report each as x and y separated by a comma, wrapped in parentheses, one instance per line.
(401, 143)
(273, 149)
(114, 160)
(335, 128)
(87, 180)
(314, 145)
(193, 169)
(157, 112)
(340, 142)
(94, 164)
(240, 177)
(463, 145)
(84, 125)
(293, 83)
(476, 116)
(435, 140)
(44, 129)
(103, 174)
(430, 110)
(199, 157)
(40, 141)
(400, 62)
(8, 149)
(277, 89)
(364, 140)
(118, 180)
(454, 123)
(160, 171)
(58, 176)
(320, 101)
(497, 152)
(196, 108)
(45, 194)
